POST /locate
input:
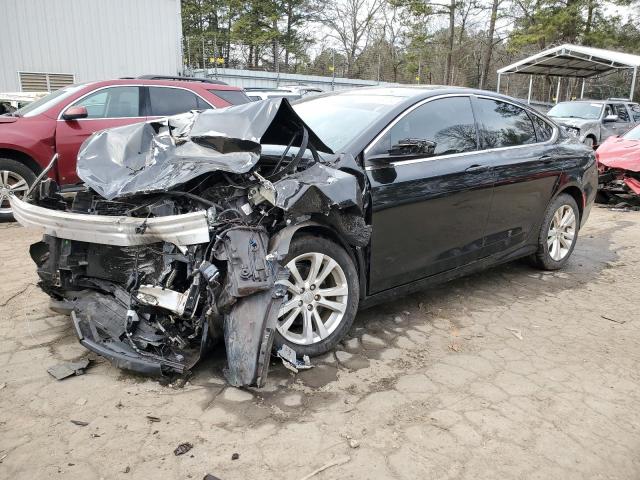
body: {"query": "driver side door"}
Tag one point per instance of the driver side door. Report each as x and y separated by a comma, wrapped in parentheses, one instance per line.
(431, 193)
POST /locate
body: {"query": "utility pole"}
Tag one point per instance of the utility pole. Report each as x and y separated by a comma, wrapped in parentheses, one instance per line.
(204, 65)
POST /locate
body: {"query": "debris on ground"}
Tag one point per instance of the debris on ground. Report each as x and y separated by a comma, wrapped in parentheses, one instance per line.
(153, 419)
(80, 423)
(613, 320)
(127, 469)
(235, 456)
(353, 443)
(81, 401)
(334, 463)
(515, 332)
(2, 385)
(290, 359)
(182, 448)
(68, 369)
(208, 476)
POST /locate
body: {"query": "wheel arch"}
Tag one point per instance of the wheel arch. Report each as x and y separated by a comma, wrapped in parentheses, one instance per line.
(280, 242)
(576, 193)
(21, 157)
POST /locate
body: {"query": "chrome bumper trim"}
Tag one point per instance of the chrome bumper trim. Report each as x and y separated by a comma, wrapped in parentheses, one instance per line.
(181, 230)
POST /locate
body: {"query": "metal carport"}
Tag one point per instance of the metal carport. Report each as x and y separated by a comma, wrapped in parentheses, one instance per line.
(573, 61)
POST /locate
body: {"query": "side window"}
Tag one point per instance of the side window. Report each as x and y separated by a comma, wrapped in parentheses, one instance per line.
(621, 111)
(544, 130)
(608, 110)
(112, 102)
(439, 127)
(504, 124)
(167, 101)
(635, 111)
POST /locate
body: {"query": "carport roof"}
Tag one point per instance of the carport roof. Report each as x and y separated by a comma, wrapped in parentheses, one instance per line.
(573, 61)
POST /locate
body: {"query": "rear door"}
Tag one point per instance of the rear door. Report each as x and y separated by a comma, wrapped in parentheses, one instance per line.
(519, 147)
(107, 107)
(429, 209)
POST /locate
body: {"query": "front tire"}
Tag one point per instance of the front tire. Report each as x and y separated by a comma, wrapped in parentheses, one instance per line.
(558, 233)
(322, 296)
(15, 178)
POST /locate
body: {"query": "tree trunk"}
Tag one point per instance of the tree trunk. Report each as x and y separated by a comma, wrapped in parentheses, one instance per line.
(447, 70)
(587, 28)
(288, 37)
(486, 60)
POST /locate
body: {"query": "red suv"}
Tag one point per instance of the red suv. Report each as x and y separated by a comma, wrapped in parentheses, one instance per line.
(61, 121)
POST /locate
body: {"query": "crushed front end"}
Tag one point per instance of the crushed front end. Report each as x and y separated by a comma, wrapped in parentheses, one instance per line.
(177, 240)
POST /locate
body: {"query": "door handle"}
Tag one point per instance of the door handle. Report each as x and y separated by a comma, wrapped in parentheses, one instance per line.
(546, 159)
(476, 167)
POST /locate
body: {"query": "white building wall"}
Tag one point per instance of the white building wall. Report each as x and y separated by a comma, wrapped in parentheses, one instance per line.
(91, 39)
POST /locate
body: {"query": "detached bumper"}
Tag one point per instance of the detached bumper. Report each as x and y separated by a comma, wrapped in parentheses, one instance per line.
(180, 230)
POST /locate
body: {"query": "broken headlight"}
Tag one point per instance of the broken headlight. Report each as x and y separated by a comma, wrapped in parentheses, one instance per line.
(573, 131)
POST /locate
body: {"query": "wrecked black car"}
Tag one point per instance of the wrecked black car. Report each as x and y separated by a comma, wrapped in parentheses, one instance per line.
(267, 224)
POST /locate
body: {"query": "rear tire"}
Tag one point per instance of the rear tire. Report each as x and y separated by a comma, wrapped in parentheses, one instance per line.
(558, 233)
(15, 177)
(322, 296)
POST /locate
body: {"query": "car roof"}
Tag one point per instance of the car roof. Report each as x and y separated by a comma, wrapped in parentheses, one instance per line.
(166, 83)
(408, 95)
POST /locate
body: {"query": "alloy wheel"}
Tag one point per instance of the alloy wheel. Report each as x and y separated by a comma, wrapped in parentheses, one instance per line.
(316, 301)
(11, 183)
(562, 232)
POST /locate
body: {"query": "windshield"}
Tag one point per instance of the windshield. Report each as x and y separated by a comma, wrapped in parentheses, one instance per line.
(45, 103)
(338, 119)
(633, 134)
(586, 110)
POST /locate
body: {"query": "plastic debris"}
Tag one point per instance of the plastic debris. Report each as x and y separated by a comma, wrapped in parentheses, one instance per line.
(182, 448)
(69, 369)
(290, 359)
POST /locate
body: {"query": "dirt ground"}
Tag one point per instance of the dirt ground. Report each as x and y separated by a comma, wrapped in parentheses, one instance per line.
(508, 374)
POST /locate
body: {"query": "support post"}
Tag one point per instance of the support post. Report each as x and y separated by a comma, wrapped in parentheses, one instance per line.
(558, 89)
(633, 82)
(498, 87)
(530, 87)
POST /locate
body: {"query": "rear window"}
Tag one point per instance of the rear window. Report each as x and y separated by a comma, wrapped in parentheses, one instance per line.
(504, 124)
(167, 101)
(234, 97)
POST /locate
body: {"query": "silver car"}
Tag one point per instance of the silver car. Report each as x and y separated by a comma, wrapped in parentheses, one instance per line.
(593, 121)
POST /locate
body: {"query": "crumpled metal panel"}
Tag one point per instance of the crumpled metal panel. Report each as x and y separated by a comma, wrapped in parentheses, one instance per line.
(162, 154)
(318, 189)
(181, 230)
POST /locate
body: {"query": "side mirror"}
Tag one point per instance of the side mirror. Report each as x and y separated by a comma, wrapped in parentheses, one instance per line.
(610, 118)
(413, 146)
(74, 113)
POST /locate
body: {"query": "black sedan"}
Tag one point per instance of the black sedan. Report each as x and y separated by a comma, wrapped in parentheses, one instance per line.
(270, 224)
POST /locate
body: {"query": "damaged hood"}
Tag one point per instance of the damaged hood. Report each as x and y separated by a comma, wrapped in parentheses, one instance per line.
(619, 152)
(162, 154)
(579, 123)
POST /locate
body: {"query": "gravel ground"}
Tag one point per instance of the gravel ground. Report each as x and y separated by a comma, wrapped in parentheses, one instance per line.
(511, 373)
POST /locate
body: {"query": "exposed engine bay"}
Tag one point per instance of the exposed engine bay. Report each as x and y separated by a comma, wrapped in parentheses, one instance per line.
(178, 240)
